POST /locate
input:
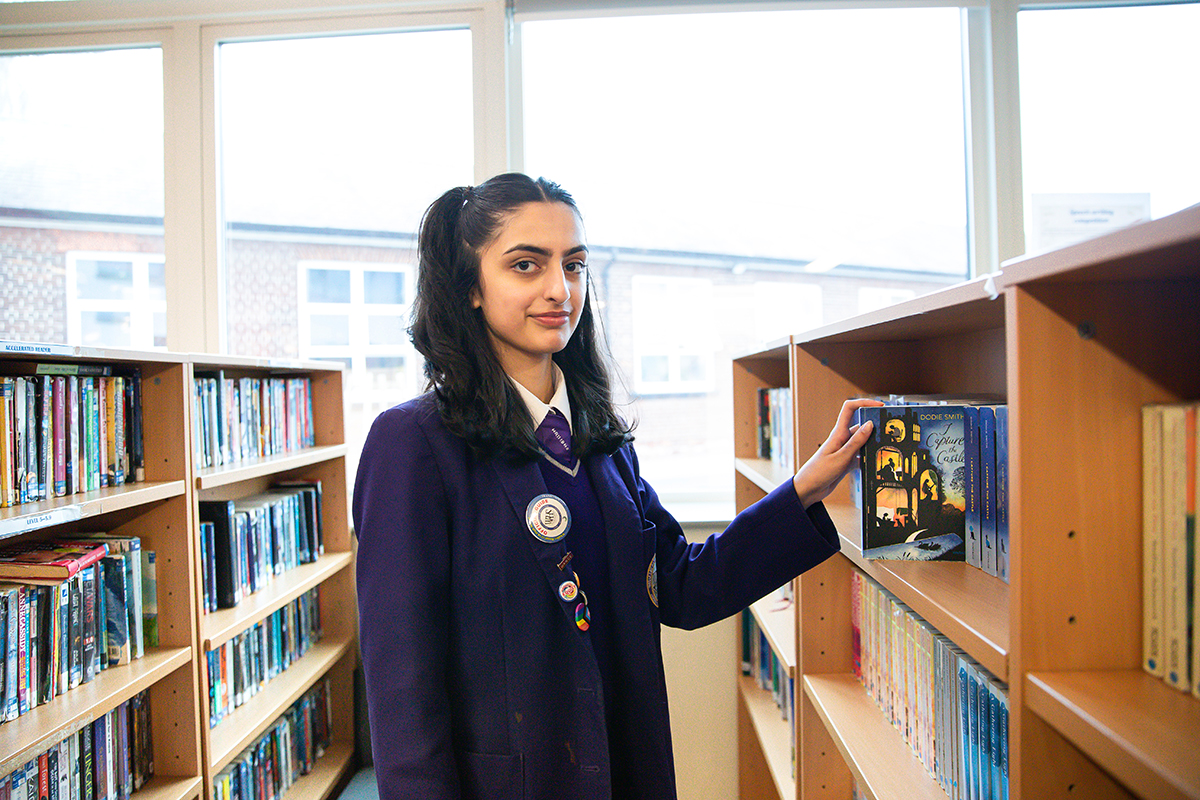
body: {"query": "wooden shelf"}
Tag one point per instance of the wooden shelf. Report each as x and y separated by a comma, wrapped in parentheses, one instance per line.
(169, 787)
(777, 620)
(773, 732)
(326, 775)
(762, 472)
(218, 627)
(242, 727)
(878, 757)
(29, 517)
(34, 732)
(1133, 725)
(962, 602)
(213, 477)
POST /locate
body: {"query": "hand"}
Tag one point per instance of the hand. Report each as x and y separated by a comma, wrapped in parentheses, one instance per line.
(833, 459)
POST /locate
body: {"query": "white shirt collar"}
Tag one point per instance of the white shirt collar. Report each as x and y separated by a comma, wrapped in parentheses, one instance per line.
(537, 409)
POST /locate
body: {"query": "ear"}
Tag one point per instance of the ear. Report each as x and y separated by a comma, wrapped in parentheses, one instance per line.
(476, 297)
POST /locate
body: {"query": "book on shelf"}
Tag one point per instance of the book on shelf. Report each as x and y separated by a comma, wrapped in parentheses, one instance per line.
(242, 666)
(66, 429)
(950, 711)
(47, 562)
(287, 749)
(245, 418)
(775, 427)
(1171, 594)
(928, 481)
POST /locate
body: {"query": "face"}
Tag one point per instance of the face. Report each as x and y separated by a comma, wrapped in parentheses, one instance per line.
(532, 284)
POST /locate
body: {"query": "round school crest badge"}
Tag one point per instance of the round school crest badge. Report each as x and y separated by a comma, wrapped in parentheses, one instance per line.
(548, 518)
(652, 580)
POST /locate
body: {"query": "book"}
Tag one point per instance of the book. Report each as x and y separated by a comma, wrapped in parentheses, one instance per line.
(1179, 424)
(1153, 600)
(131, 546)
(116, 600)
(225, 553)
(987, 486)
(149, 598)
(914, 474)
(46, 562)
(1002, 517)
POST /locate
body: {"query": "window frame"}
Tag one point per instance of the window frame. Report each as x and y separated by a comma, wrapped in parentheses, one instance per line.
(141, 307)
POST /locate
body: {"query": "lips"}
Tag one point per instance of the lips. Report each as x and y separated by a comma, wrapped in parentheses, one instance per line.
(553, 318)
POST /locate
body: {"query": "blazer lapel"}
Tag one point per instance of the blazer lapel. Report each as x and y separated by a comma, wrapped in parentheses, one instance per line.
(522, 484)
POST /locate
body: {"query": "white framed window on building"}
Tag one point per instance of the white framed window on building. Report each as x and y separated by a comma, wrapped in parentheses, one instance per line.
(672, 331)
(117, 300)
(357, 313)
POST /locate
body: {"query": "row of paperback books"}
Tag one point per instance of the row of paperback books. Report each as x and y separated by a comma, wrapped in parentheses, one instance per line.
(245, 543)
(761, 661)
(289, 749)
(1171, 583)
(243, 419)
(242, 666)
(66, 429)
(952, 712)
(69, 611)
(109, 758)
(775, 432)
(933, 483)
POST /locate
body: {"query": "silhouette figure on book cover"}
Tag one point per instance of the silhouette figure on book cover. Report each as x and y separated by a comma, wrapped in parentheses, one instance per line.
(914, 474)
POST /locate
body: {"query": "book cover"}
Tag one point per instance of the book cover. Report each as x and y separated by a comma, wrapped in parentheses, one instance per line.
(46, 562)
(88, 623)
(987, 486)
(1002, 537)
(914, 476)
(1176, 524)
(59, 402)
(63, 605)
(149, 598)
(225, 550)
(116, 601)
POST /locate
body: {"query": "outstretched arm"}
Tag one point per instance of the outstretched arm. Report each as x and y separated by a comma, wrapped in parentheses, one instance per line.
(833, 459)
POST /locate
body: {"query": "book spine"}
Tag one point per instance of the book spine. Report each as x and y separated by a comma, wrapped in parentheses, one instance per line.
(102, 431)
(63, 662)
(987, 486)
(149, 598)
(60, 435)
(1002, 536)
(22, 652)
(88, 624)
(118, 427)
(46, 438)
(75, 637)
(974, 521)
(72, 434)
(8, 478)
(1175, 551)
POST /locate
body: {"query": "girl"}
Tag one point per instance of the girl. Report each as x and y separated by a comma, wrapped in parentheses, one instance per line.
(513, 566)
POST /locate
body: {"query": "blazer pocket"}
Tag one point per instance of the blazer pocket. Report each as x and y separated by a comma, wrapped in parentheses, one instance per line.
(491, 777)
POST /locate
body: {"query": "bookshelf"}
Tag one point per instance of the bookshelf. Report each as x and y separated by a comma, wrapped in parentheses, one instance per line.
(158, 511)
(1077, 341)
(334, 655)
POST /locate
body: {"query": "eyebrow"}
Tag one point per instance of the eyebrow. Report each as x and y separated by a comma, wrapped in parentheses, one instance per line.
(541, 251)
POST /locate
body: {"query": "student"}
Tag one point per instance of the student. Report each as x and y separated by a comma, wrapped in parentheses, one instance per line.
(510, 591)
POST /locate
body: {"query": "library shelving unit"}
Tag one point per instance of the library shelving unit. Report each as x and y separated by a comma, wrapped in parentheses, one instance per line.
(335, 654)
(1077, 341)
(158, 511)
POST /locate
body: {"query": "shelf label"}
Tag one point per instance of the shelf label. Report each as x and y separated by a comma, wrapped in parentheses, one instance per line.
(46, 519)
(37, 349)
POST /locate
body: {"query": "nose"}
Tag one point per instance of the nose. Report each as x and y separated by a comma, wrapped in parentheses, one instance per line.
(555, 286)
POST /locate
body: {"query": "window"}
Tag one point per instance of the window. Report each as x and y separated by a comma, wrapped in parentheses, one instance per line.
(672, 329)
(81, 166)
(1108, 120)
(745, 152)
(329, 155)
(357, 314)
(116, 300)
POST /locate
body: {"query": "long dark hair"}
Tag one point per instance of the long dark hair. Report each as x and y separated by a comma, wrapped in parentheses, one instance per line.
(475, 398)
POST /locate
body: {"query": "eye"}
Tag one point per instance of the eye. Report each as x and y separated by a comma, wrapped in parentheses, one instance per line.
(524, 266)
(575, 266)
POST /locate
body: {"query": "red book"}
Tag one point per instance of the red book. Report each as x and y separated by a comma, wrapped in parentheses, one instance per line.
(48, 562)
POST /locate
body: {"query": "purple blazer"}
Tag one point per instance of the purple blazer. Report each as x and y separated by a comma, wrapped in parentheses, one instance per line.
(479, 684)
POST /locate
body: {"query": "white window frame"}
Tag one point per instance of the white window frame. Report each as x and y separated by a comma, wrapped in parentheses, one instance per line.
(140, 306)
(684, 342)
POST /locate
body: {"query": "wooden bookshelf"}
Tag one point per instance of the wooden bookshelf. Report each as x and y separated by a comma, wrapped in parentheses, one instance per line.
(1076, 341)
(158, 511)
(334, 656)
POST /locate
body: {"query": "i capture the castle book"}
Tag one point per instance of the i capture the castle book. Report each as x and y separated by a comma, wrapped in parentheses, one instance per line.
(914, 483)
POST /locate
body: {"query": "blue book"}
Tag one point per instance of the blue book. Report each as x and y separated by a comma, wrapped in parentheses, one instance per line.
(1002, 559)
(964, 750)
(974, 522)
(987, 485)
